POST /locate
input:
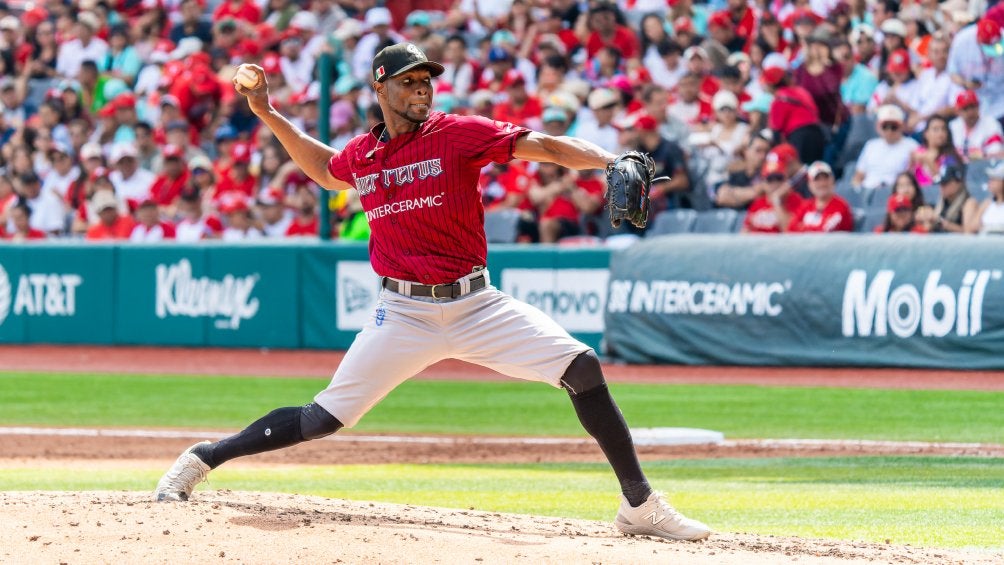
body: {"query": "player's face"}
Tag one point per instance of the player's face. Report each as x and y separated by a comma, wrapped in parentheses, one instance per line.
(409, 95)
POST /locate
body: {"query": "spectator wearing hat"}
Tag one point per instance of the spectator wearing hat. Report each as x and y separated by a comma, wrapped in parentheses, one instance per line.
(305, 223)
(641, 133)
(772, 210)
(887, 155)
(149, 225)
(20, 221)
(237, 219)
(48, 212)
(194, 224)
(110, 225)
(520, 107)
(602, 30)
(976, 136)
(173, 177)
(893, 32)
(377, 22)
(131, 182)
(275, 217)
(238, 177)
(721, 39)
(935, 92)
(900, 217)
(197, 89)
(202, 178)
(898, 86)
(955, 207)
(976, 61)
(936, 150)
(63, 172)
(83, 46)
(726, 136)
(745, 180)
(858, 82)
(866, 48)
(793, 112)
(989, 216)
(85, 214)
(192, 23)
(826, 211)
(598, 127)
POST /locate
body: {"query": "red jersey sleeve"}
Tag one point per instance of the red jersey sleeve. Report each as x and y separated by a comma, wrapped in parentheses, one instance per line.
(483, 141)
(340, 165)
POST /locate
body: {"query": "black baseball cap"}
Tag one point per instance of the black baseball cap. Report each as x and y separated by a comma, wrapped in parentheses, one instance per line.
(401, 58)
(951, 172)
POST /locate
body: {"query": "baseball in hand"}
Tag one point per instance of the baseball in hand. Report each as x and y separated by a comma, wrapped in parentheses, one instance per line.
(247, 77)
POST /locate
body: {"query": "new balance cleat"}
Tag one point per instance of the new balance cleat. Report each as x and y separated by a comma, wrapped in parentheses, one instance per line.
(179, 481)
(655, 517)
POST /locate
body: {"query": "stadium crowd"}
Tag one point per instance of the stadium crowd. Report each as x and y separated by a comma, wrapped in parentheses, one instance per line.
(119, 120)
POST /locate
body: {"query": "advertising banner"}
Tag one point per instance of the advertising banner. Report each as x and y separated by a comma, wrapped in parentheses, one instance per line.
(809, 300)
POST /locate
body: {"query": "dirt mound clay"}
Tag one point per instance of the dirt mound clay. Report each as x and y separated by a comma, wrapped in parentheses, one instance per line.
(243, 527)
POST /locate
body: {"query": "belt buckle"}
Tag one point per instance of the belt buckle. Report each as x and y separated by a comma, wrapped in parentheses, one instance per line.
(433, 291)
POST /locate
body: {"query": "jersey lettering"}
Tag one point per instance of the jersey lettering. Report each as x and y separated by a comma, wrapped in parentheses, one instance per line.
(365, 184)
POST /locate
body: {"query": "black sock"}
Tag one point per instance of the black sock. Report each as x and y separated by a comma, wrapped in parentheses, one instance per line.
(277, 429)
(601, 418)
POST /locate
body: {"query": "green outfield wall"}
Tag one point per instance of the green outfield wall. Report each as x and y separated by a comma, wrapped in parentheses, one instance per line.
(802, 300)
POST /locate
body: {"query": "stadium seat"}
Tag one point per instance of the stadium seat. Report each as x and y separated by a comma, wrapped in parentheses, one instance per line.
(722, 220)
(581, 241)
(501, 226)
(931, 194)
(673, 221)
(854, 197)
(740, 222)
(976, 177)
(873, 219)
(879, 199)
(859, 218)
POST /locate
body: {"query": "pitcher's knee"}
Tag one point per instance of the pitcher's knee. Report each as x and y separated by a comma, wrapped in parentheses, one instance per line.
(316, 422)
(583, 374)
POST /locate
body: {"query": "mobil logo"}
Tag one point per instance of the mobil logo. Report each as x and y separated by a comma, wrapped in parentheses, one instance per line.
(575, 298)
(934, 307)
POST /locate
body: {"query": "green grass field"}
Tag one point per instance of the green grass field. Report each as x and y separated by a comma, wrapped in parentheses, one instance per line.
(509, 408)
(934, 501)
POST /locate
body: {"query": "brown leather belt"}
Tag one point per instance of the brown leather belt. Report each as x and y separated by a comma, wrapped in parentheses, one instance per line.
(448, 291)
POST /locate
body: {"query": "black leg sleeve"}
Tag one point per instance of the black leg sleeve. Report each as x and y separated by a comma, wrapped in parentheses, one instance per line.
(602, 419)
(277, 429)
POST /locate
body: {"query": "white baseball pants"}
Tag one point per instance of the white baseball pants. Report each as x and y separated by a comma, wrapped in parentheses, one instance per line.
(405, 335)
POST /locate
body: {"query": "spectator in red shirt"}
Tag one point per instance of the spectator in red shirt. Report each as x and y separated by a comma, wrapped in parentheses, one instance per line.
(604, 31)
(560, 202)
(744, 24)
(238, 177)
(521, 108)
(172, 179)
(825, 212)
(305, 223)
(149, 226)
(110, 224)
(793, 112)
(773, 209)
(20, 215)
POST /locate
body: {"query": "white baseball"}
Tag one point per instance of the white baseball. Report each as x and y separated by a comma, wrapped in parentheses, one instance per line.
(247, 77)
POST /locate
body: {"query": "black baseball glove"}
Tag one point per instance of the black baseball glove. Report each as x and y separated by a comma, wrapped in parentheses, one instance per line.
(629, 179)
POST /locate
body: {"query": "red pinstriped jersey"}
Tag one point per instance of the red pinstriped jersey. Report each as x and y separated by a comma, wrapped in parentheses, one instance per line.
(421, 196)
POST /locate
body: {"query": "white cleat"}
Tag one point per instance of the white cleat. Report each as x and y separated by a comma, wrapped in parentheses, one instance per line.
(655, 517)
(179, 481)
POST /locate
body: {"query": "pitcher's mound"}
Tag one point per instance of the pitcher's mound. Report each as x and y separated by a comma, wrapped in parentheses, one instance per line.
(246, 527)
